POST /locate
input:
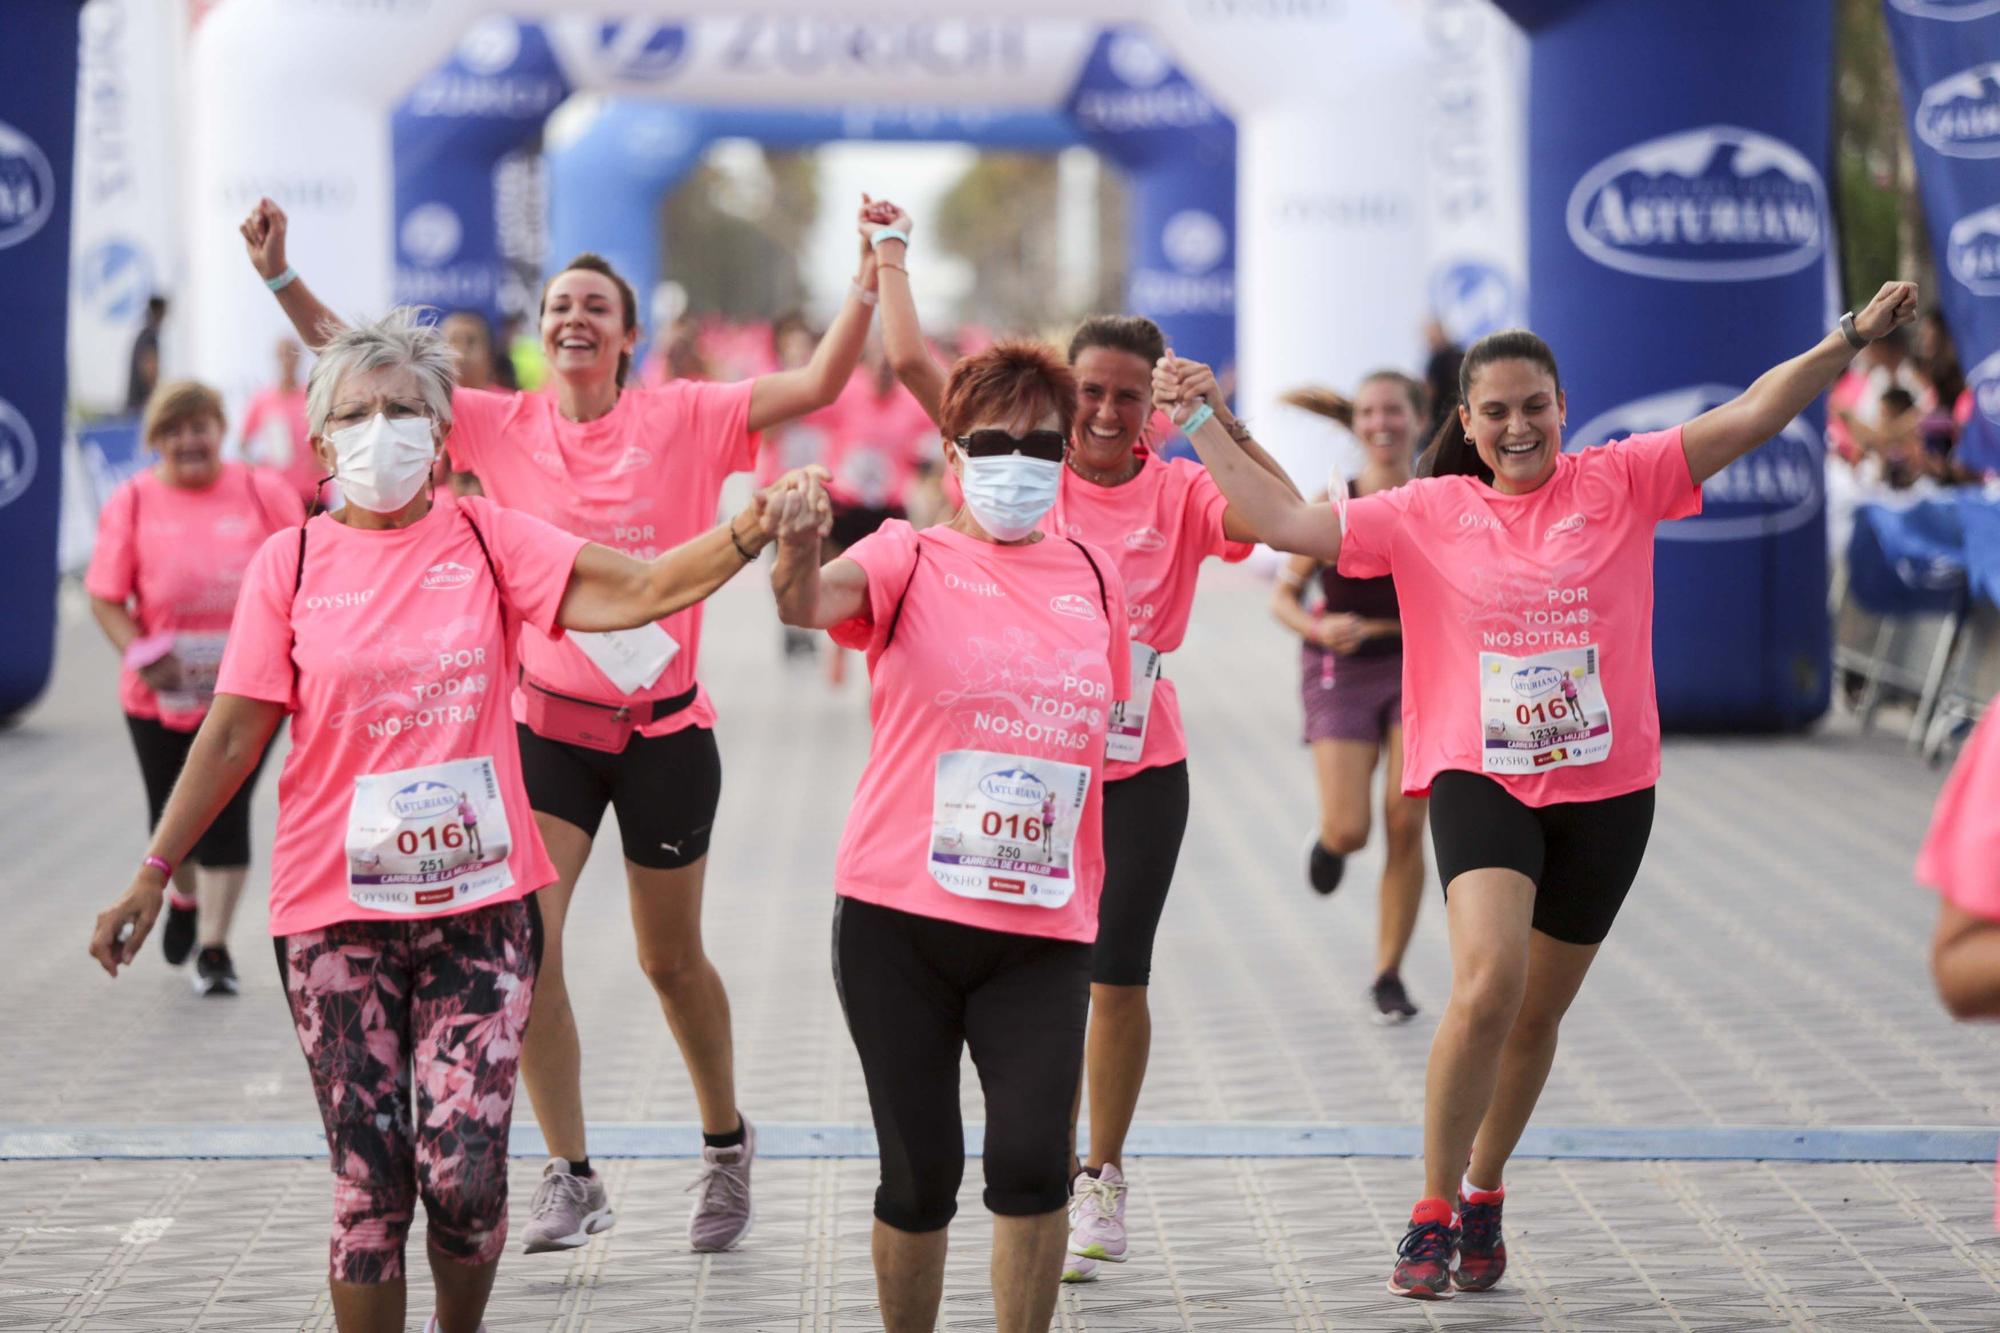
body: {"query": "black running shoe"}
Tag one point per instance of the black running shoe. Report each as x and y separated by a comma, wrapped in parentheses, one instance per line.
(1392, 1002)
(1324, 868)
(214, 973)
(177, 937)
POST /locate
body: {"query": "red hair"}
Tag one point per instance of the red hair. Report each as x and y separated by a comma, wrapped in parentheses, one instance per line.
(1004, 382)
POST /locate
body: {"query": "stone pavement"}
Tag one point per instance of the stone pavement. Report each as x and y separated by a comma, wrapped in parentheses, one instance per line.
(1769, 970)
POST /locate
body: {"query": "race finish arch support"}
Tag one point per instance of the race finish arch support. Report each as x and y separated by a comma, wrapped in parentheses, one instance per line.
(450, 135)
(38, 64)
(1948, 57)
(1178, 152)
(1679, 244)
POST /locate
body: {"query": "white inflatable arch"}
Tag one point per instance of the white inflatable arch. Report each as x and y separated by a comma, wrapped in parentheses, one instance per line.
(1379, 141)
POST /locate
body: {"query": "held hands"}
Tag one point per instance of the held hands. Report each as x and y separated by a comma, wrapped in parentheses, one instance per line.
(123, 927)
(264, 237)
(1894, 306)
(1180, 386)
(879, 213)
(795, 511)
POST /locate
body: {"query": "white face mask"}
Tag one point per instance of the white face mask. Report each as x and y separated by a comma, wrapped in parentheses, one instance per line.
(382, 464)
(1009, 494)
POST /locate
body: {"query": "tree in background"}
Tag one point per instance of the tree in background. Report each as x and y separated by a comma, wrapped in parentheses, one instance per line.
(998, 218)
(1875, 197)
(733, 238)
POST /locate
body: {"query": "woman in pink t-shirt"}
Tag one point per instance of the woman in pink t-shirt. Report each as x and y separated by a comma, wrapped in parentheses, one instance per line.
(274, 429)
(172, 545)
(1525, 580)
(388, 632)
(1351, 684)
(619, 721)
(969, 874)
(1961, 860)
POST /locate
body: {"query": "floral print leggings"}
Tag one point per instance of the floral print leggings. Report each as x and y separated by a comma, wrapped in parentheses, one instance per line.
(430, 1010)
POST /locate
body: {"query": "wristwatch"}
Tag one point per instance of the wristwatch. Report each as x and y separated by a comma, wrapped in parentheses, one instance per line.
(1851, 333)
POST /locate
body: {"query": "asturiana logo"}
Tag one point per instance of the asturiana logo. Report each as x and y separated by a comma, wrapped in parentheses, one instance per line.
(424, 800)
(1973, 251)
(1960, 116)
(1073, 606)
(1715, 204)
(1951, 11)
(1146, 539)
(27, 187)
(1775, 488)
(1013, 786)
(446, 574)
(1534, 682)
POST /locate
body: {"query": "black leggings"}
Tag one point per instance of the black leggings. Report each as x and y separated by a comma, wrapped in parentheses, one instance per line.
(1145, 818)
(917, 991)
(162, 752)
(1581, 855)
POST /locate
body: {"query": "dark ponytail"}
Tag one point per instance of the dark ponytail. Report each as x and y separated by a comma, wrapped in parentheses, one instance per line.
(1451, 452)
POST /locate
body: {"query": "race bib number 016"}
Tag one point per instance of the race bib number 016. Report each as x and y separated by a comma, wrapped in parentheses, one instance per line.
(1543, 712)
(200, 656)
(1125, 739)
(1003, 827)
(427, 839)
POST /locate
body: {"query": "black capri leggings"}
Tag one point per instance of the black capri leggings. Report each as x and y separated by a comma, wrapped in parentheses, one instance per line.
(1581, 855)
(162, 752)
(917, 991)
(1145, 818)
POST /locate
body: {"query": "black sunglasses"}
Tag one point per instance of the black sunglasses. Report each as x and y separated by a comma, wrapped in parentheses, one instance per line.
(1047, 445)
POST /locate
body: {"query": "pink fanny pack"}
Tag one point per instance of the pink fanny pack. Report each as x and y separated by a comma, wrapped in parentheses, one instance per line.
(595, 726)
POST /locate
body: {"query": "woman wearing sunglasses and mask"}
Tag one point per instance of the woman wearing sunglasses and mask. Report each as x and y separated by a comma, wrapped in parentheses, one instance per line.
(406, 853)
(968, 876)
(1159, 519)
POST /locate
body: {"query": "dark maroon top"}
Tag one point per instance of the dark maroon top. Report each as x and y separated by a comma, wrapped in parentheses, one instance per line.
(1371, 599)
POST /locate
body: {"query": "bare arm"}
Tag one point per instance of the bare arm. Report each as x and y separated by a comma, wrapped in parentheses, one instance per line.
(1235, 525)
(811, 597)
(264, 237)
(785, 395)
(115, 621)
(1271, 510)
(1965, 963)
(226, 749)
(902, 332)
(1720, 436)
(1288, 598)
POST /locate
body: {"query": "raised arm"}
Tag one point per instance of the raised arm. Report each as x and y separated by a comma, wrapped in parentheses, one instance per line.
(1267, 506)
(264, 237)
(785, 395)
(902, 332)
(225, 750)
(1720, 436)
(810, 597)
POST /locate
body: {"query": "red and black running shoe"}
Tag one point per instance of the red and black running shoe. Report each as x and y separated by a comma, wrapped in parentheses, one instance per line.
(1423, 1259)
(1482, 1252)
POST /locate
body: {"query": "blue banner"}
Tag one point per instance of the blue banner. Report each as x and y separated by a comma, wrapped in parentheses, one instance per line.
(1178, 151)
(38, 63)
(1948, 60)
(1678, 241)
(490, 99)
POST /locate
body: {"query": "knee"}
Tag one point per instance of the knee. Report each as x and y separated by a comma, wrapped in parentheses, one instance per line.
(1403, 826)
(1027, 1171)
(1344, 834)
(1535, 1025)
(920, 1196)
(374, 1197)
(671, 968)
(466, 1209)
(1487, 1000)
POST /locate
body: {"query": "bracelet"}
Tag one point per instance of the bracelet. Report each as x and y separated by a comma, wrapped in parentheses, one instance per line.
(1849, 331)
(888, 234)
(896, 268)
(1197, 419)
(1238, 431)
(862, 294)
(737, 542)
(283, 280)
(161, 864)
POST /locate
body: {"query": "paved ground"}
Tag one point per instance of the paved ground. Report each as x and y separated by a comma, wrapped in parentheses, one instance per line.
(1768, 971)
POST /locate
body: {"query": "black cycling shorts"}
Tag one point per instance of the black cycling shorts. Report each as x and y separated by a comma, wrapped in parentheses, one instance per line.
(664, 788)
(162, 752)
(1581, 855)
(853, 522)
(918, 992)
(1145, 818)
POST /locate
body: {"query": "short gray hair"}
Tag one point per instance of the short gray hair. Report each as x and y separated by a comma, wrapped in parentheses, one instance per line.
(400, 339)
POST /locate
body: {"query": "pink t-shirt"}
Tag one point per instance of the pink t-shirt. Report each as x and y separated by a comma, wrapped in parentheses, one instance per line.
(878, 442)
(403, 646)
(177, 557)
(1507, 599)
(1159, 527)
(1002, 670)
(642, 479)
(1961, 853)
(275, 436)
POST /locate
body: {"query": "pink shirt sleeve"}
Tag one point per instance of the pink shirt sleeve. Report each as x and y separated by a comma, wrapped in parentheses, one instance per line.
(888, 556)
(1961, 854)
(1655, 468)
(720, 415)
(114, 571)
(257, 659)
(476, 415)
(534, 560)
(277, 502)
(1205, 507)
(1372, 524)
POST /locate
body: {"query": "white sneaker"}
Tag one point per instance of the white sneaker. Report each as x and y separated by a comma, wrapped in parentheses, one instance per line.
(1097, 1215)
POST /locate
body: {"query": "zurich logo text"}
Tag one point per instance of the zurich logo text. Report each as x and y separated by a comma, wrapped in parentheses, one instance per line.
(1715, 204)
(27, 187)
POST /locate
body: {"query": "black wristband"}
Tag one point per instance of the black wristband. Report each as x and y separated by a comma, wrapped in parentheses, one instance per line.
(737, 542)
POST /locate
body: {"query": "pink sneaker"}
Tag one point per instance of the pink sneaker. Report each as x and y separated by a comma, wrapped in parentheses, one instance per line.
(722, 1213)
(1097, 1215)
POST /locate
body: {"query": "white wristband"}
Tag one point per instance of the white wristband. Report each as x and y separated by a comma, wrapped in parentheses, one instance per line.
(888, 234)
(283, 280)
(1197, 419)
